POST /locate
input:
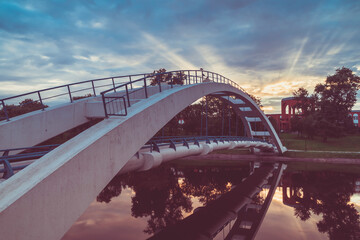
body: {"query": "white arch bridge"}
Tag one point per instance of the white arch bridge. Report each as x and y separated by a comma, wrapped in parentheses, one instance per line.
(44, 199)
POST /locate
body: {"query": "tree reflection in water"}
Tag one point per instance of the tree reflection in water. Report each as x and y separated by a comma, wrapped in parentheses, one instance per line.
(327, 194)
(164, 194)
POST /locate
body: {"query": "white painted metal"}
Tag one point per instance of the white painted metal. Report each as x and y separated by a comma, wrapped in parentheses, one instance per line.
(260, 133)
(245, 109)
(234, 101)
(253, 119)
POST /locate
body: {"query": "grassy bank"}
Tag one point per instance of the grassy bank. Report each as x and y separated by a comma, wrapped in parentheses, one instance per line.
(321, 155)
(350, 143)
(344, 147)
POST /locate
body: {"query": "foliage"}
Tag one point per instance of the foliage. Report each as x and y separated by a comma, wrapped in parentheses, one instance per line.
(26, 106)
(326, 112)
(326, 194)
(163, 197)
(194, 116)
(160, 76)
(305, 103)
(274, 124)
(82, 97)
(257, 100)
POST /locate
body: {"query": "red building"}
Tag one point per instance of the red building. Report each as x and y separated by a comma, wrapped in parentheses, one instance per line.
(288, 111)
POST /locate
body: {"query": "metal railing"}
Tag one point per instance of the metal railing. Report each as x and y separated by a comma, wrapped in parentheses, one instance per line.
(27, 153)
(123, 94)
(155, 143)
(88, 87)
(116, 104)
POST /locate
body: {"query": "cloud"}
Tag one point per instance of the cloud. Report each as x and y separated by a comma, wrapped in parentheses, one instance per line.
(258, 44)
(159, 48)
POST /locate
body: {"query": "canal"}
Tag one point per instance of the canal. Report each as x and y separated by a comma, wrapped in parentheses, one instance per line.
(310, 201)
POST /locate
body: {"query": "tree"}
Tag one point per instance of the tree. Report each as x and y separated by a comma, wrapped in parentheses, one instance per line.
(274, 123)
(257, 100)
(26, 106)
(305, 103)
(161, 76)
(327, 194)
(326, 112)
(335, 100)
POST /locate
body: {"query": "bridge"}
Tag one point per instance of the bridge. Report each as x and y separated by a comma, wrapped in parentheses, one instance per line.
(53, 191)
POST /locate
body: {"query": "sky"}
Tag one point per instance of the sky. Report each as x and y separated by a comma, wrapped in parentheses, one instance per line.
(269, 47)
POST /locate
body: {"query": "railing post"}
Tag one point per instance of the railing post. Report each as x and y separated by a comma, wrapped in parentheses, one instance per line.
(68, 87)
(93, 86)
(181, 78)
(127, 94)
(146, 93)
(131, 86)
(159, 82)
(5, 110)
(42, 105)
(113, 82)
(206, 119)
(105, 110)
(188, 76)
(8, 169)
(196, 76)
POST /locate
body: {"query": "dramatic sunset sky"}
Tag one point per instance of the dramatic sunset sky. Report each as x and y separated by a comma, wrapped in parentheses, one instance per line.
(269, 47)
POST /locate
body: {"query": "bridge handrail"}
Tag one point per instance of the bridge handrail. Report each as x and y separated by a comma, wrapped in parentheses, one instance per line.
(7, 159)
(203, 138)
(68, 91)
(186, 77)
(157, 142)
(198, 78)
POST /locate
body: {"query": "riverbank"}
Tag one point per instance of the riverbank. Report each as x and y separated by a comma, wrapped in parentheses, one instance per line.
(272, 158)
(349, 143)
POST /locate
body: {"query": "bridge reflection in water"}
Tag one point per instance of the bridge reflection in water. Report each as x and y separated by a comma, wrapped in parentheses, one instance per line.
(240, 203)
(162, 197)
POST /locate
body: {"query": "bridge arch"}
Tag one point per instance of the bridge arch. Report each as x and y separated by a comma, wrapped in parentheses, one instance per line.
(60, 185)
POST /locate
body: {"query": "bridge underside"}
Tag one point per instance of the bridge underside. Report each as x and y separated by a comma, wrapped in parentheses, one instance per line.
(57, 188)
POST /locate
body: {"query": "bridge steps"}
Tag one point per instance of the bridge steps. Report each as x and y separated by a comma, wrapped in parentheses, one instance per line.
(253, 119)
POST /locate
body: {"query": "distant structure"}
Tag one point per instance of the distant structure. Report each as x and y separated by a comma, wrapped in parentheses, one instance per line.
(355, 116)
(288, 111)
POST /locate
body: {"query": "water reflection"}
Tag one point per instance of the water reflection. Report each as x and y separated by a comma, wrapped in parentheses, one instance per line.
(326, 194)
(166, 195)
(241, 203)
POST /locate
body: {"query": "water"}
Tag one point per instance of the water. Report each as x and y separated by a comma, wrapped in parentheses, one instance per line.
(311, 201)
